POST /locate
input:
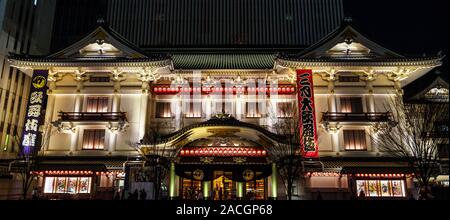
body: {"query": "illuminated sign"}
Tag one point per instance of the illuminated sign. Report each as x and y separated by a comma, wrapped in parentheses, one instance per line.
(35, 114)
(307, 116)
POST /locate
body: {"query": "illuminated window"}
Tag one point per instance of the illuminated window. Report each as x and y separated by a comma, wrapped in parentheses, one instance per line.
(285, 109)
(351, 104)
(380, 188)
(348, 78)
(193, 109)
(94, 139)
(99, 79)
(97, 104)
(163, 110)
(252, 110)
(224, 107)
(437, 94)
(189, 187)
(255, 189)
(71, 185)
(355, 140)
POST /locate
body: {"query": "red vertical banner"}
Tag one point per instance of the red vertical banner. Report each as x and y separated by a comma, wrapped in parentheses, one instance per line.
(307, 114)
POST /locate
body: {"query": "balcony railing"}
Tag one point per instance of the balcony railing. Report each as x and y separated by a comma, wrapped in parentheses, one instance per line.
(356, 117)
(93, 116)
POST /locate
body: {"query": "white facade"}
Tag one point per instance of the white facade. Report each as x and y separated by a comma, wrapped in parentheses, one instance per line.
(358, 78)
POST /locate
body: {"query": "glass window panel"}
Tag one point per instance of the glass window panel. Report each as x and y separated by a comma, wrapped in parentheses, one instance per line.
(351, 104)
(97, 104)
(163, 110)
(381, 188)
(385, 191)
(252, 110)
(193, 109)
(355, 140)
(61, 184)
(373, 189)
(72, 185)
(397, 188)
(85, 185)
(49, 184)
(94, 139)
(361, 187)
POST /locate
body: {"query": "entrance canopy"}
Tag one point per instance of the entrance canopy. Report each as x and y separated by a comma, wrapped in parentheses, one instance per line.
(218, 127)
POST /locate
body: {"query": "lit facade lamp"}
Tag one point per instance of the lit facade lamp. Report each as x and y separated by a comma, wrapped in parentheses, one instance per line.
(240, 84)
(209, 83)
(179, 82)
(331, 128)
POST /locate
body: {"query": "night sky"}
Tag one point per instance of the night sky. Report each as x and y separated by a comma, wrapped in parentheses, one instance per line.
(404, 26)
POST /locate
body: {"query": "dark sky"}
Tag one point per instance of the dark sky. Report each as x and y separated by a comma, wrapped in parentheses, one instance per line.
(409, 27)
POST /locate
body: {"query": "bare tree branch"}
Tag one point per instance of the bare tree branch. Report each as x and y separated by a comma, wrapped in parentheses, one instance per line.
(415, 135)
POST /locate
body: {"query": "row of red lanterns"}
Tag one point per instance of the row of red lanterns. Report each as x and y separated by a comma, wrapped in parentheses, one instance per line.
(120, 173)
(65, 172)
(172, 90)
(334, 174)
(76, 172)
(379, 175)
(249, 152)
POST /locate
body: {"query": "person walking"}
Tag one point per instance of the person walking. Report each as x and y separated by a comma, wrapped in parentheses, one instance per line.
(143, 195)
(34, 194)
(200, 195)
(220, 193)
(362, 195)
(135, 195)
(319, 196)
(117, 195)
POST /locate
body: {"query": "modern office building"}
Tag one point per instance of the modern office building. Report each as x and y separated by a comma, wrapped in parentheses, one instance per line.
(23, 31)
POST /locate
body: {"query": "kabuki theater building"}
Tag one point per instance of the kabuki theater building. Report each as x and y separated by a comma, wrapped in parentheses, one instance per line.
(106, 117)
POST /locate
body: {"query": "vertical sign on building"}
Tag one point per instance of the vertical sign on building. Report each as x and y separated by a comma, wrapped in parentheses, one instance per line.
(307, 116)
(35, 114)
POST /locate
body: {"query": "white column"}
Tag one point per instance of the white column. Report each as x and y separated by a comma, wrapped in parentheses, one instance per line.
(79, 96)
(273, 186)
(78, 108)
(332, 97)
(208, 107)
(49, 111)
(74, 140)
(332, 107)
(112, 141)
(335, 142)
(116, 102)
(143, 109)
(239, 108)
(115, 108)
(370, 97)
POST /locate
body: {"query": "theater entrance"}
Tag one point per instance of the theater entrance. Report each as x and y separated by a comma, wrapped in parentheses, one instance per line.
(223, 187)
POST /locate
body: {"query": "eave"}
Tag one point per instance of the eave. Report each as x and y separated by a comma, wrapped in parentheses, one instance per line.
(424, 62)
(27, 63)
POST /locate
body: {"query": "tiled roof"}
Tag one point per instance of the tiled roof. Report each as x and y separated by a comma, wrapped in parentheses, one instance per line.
(88, 59)
(173, 23)
(223, 61)
(296, 58)
(419, 85)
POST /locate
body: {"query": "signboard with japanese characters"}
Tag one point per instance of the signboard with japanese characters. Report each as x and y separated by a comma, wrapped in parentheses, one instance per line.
(307, 116)
(35, 113)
